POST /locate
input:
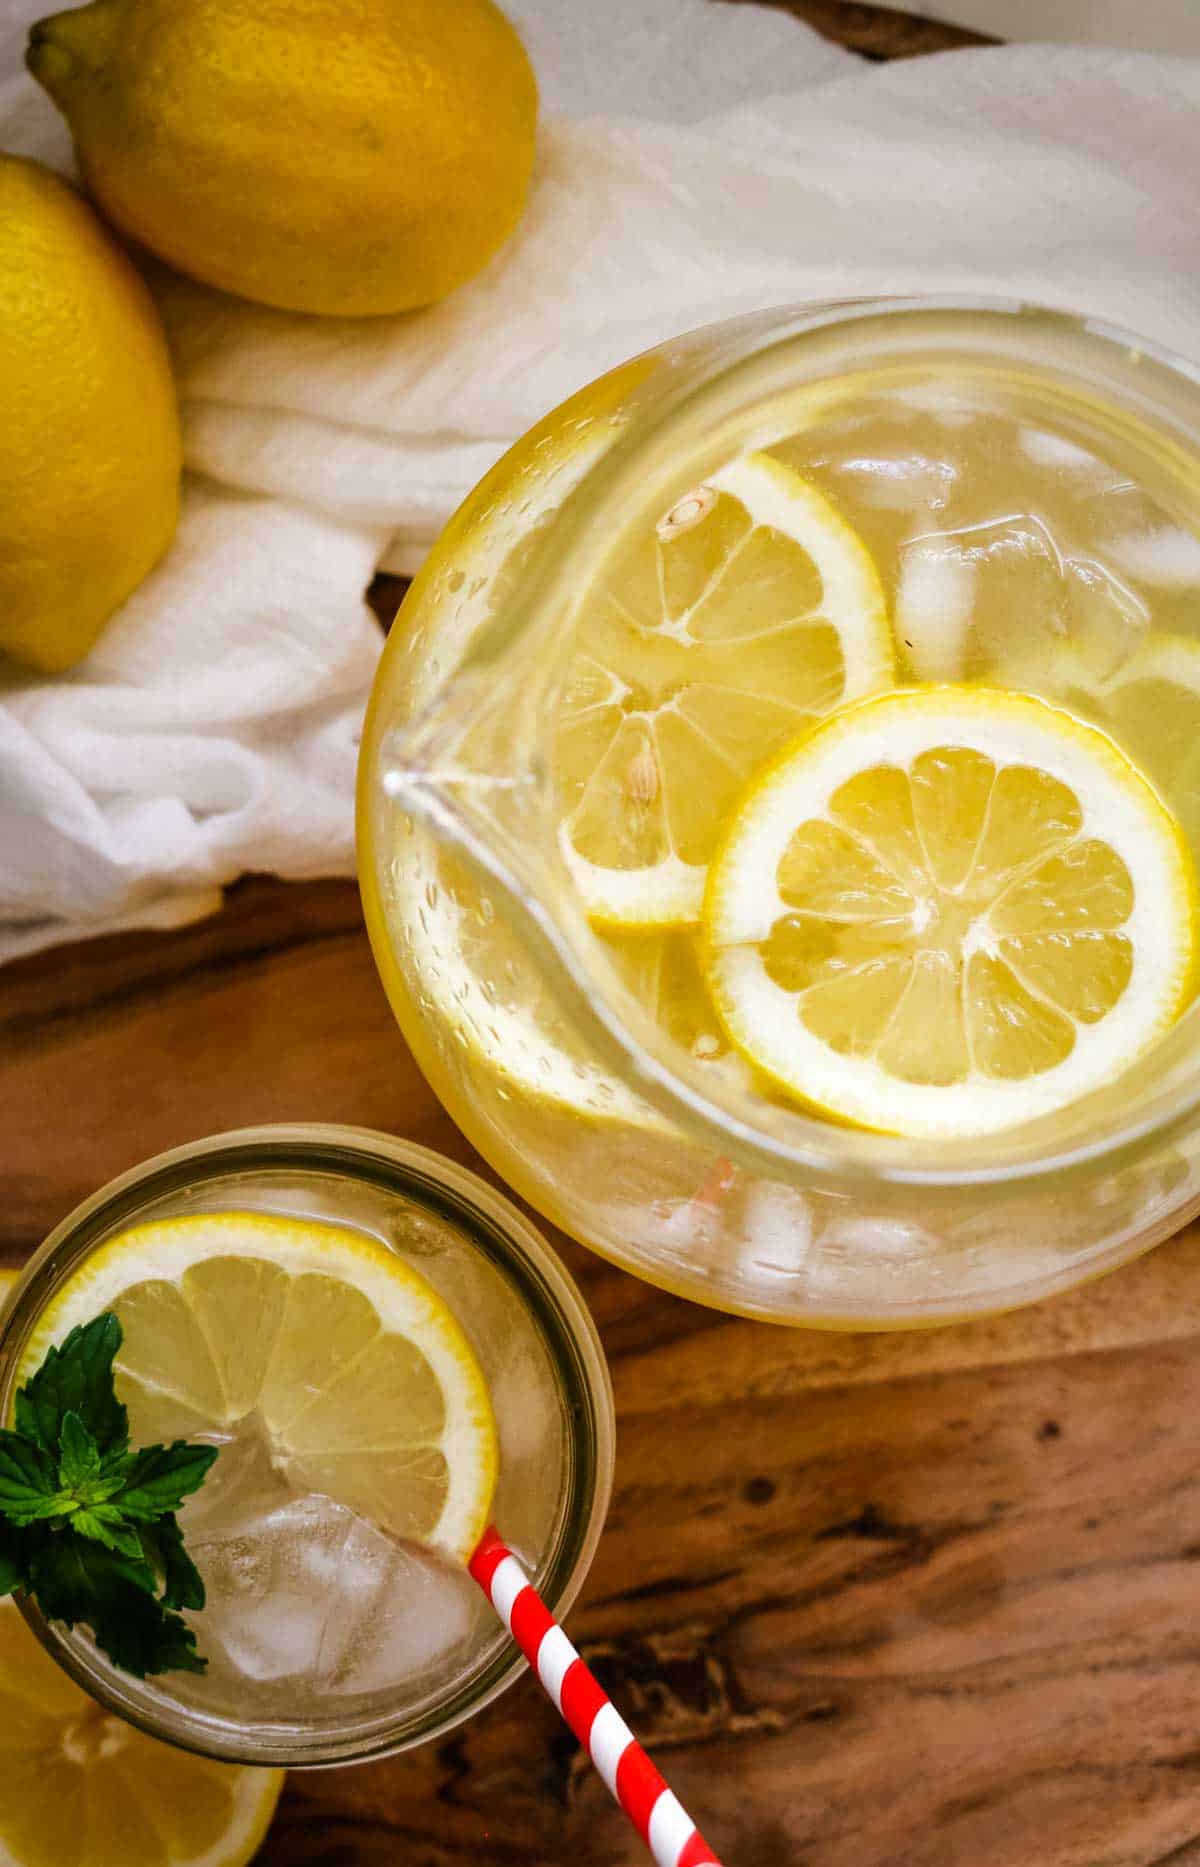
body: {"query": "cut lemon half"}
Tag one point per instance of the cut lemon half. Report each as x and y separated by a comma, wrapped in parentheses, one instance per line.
(346, 1361)
(750, 610)
(79, 1786)
(947, 911)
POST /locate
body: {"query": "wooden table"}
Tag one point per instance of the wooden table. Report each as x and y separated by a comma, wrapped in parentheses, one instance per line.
(920, 1600)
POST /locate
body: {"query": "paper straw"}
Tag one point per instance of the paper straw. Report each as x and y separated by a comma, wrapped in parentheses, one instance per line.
(668, 1831)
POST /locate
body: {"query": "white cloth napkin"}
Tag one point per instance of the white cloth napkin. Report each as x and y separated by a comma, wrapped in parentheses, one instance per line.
(697, 160)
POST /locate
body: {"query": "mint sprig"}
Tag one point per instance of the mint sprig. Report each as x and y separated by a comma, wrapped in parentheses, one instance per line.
(87, 1526)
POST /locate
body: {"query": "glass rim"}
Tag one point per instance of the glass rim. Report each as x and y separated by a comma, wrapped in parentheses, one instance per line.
(574, 547)
(565, 1323)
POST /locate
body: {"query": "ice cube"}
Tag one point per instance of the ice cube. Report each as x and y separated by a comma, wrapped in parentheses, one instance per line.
(934, 601)
(397, 1613)
(519, 1401)
(1106, 620)
(271, 1587)
(1169, 556)
(1054, 450)
(953, 404)
(683, 1229)
(777, 1227)
(993, 599)
(898, 482)
(872, 1235)
(308, 1595)
(242, 1481)
(857, 1258)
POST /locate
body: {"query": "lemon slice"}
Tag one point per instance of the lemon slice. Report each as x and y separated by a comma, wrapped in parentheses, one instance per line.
(947, 911)
(1151, 705)
(77, 1784)
(346, 1360)
(664, 973)
(750, 610)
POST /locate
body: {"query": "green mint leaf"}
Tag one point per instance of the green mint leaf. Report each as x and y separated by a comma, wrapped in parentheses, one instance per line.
(80, 1581)
(12, 1559)
(100, 1490)
(163, 1543)
(78, 1455)
(88, 1527)
(160, 1477)
(44, 1510)
(115, 1464)
(28, 1481)
(145, 1637)
(76, 1377)
(104, 1523)
(76, 1579)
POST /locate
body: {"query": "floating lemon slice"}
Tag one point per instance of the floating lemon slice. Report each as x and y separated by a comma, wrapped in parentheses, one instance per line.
(77, 1784)
(346, 1360)
(751, 610)
(1151, 705)
(947, 911)
(663, 972)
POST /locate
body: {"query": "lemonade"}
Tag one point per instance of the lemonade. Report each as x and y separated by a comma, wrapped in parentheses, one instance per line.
(387, 1359)
(639, 965)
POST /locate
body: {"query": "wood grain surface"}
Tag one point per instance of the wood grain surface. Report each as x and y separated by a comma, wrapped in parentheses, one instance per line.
(928, 1600)
(875, 32)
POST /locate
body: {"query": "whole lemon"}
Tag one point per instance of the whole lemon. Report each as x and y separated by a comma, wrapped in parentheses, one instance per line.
(344, 156)
(89, 443)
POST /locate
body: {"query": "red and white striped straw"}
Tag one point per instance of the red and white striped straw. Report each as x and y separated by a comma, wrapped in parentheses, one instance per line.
(668, 1831)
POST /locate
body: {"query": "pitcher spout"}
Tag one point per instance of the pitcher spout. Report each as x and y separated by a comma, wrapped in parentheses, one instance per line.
(466, 773)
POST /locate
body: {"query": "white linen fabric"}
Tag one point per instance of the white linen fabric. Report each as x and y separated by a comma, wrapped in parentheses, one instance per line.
(697, 160)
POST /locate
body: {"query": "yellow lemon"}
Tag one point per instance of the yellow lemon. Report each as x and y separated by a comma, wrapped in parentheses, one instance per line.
(342, 156)
(89, 445)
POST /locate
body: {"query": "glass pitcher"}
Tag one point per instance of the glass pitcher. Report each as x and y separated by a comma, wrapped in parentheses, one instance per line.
(1024, 488)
